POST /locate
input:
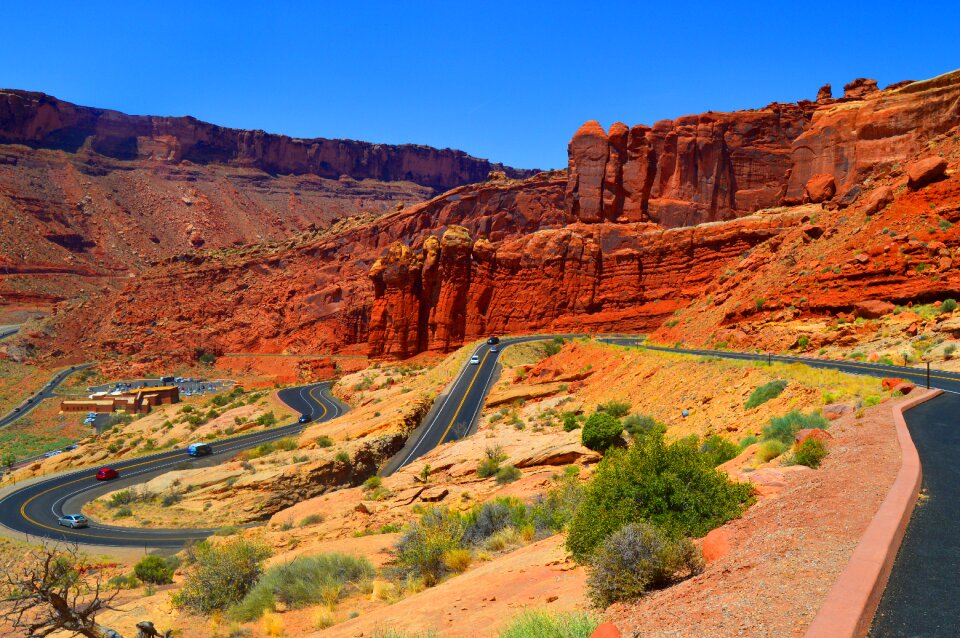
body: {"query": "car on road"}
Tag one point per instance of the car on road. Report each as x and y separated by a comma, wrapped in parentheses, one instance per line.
(304, 418)
(70, 448)
(494, 349)
(474, 360)
(73, 521)
(52, 453)
(107, 474)
(199, 449)
(493, 341)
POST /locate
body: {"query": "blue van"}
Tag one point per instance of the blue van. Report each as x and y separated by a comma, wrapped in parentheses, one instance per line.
(199, 449)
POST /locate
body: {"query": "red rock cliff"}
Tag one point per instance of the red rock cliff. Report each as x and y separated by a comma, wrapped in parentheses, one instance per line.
(40, 120)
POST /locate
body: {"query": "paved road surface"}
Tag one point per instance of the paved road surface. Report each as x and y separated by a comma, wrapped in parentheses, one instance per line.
(45, 392)
(34, 510)
(6, 331)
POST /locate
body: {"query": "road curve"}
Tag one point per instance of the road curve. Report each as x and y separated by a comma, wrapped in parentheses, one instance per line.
(33, 510)
(45, 392)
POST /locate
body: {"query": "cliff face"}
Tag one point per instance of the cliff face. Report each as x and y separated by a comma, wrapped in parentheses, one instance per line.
(42, 121)
(608, 246)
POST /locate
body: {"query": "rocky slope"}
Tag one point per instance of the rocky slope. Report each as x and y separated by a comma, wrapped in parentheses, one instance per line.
(88, 195)
(620, 242)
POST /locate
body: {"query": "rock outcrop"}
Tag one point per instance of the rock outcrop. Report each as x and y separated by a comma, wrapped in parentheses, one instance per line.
(43, 121)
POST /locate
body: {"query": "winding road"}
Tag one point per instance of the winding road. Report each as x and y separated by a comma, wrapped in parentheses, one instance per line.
(923, 592)
(45, 392)
(34, 510)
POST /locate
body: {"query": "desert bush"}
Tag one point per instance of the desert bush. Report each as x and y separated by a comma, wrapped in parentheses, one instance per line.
(803, 342)
(765, 393)
(490, 465)
(372, 483)
(341, 457)
(570, 421)
(153, 569)
(637, 558)
(304, 581)
(483, 521)
(457, 560)
(747, 441)
(783, 428)
(221, 575)
(541, 623)
(312, 519)
(770, 449)
(323, 441)
(718, 449)
(508, 474)
(227, 530)
(420, 551)
(618, 409)
(810, 453)
(640, 424)
(600, 431)
(123, 581)
(948, 305)
(671, 485)
(552, 512)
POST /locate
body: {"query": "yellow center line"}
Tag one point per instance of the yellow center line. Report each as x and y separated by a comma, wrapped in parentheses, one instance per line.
(464, 399)
(322, 404)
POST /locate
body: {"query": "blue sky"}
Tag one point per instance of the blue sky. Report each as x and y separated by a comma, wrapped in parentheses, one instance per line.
(510, 81)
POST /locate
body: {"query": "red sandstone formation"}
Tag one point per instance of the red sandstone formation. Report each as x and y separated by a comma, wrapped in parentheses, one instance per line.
(593, 250)
(42, 121)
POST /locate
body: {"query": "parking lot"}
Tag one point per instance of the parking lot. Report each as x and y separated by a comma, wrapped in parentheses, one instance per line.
(188, 386)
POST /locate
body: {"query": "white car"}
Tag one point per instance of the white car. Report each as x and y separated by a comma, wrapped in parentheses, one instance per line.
(474, 360)
(73, 521)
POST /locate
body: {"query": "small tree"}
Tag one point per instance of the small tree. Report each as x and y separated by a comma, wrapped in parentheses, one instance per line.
(153, 569)
(55, 590)
(600, 431)
(222, 575)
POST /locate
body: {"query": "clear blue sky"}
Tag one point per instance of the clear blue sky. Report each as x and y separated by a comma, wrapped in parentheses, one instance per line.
(510, 81)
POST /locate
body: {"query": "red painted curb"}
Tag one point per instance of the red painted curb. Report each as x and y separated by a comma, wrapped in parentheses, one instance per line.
(848, 609)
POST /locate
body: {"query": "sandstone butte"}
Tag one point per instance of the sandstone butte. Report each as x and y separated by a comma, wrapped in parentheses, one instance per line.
(89, 195)
(645, 221)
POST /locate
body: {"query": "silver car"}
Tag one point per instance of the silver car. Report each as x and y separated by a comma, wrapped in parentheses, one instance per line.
(73, 521)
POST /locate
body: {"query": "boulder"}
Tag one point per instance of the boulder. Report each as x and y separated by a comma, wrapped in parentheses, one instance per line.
(715, 544)
(891, 382)
(904, 388)
(821, 187)
(434, 494)
(811, 433)
(877, 200)
(836, 410)
(872, 308)
(926, 171)
(812, 231)
(606, 630)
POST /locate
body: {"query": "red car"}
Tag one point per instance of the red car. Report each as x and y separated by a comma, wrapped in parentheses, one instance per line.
(107, 473)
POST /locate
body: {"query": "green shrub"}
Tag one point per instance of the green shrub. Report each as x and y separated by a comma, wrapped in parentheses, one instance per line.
(312, 519)
(671, 485)
(123, 581)
(765, 392)
(770, 449)
(545, 624)
(810, 453)
(221, 575)
(323, 441)
(153, 569)
(507, 474)
(747, 441)
(483, 521)
(640, 424)
(372, 483)
(871, 400)
(490, 465)
(552, 512)
(803, 342)
(304, 581)
(570, 421)
(420, 551)
(637, 558)
(600, 431)
(618, 409)
(341, 457)
(948, 305)
(123, 512)
(718, 450)
(783, 428)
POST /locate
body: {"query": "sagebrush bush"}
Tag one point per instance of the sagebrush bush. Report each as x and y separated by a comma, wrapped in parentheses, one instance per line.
(485, 520)
(490, 465)
(718, 449)
(640, 424)
(545, 624)
(637, 558)
(304, 581)
(618, 409)
(671, 485)
(570, 421)
(153, 569)
(766, 392)
(508, 474)
(552, 512)
(220, 575)
(421, 549)
(948, 305)
(810, 453)
(784, 428)
(770, 449)
(600, 431)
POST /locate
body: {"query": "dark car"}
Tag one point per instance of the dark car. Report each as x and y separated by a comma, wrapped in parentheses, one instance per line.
(107, 474)
(199, 449)
(493, 340)
(304, 418)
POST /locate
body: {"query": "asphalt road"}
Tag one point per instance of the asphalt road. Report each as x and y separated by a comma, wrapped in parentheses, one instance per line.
(454, 414)
(6, 331)
(34, 509)
(45, 392)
